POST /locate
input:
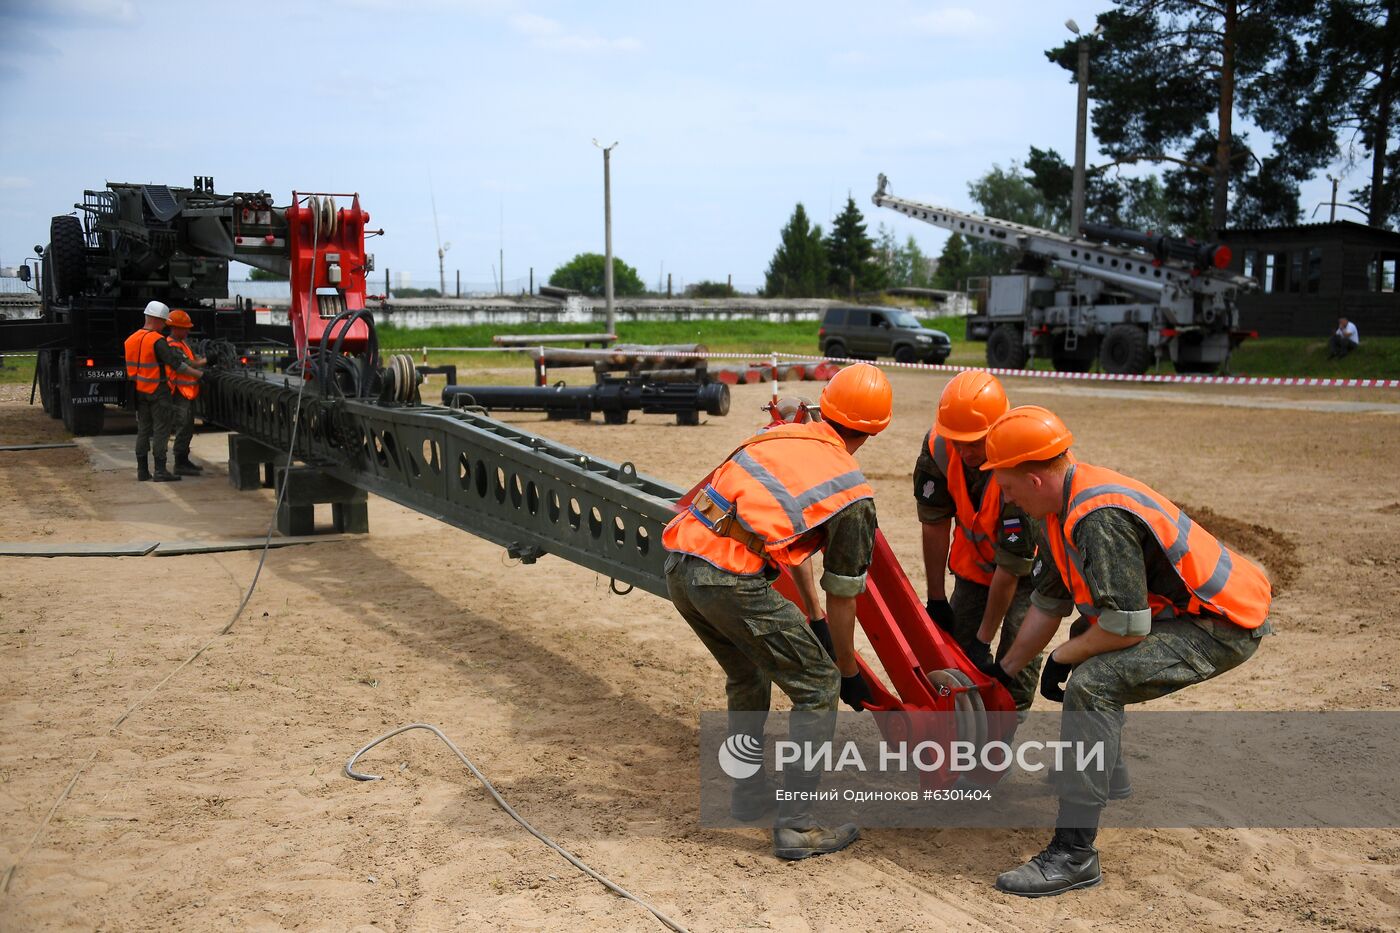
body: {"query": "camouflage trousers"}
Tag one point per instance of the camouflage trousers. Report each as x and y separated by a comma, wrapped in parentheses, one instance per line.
(153, 414)
(1176, 654)
(181, 423)
(969, 602)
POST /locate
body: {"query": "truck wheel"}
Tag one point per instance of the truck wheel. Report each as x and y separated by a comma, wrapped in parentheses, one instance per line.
(1125, 350)
(905, 354)
(835, 350)
(48, 383)
(1005, 350)
(68, 261)
(80, 420)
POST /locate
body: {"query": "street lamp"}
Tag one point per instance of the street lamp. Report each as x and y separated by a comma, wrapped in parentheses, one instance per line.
(607, 231)
(1076, 220)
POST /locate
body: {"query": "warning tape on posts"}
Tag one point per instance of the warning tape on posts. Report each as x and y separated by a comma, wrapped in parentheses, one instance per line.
(761, 360)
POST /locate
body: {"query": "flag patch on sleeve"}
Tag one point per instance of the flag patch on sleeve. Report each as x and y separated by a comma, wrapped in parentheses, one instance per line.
(1011, 529)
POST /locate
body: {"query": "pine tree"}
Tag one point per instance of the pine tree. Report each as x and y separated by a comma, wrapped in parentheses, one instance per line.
(850, 253)
(798, 267)
(953, 264)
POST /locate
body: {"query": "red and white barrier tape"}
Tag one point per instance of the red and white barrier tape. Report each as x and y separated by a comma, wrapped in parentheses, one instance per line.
(757, 361)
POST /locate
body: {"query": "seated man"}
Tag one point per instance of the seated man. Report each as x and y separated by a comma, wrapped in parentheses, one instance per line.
(1344, 340)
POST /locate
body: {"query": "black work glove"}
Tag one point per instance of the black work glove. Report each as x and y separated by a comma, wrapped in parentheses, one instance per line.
(994, 670)
(823, 633)
(855, 692)
(941, 613)
(979, 653)
(1053, 677)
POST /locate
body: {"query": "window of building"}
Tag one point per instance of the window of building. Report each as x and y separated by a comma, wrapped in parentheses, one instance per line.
(1380, 272)
(1295, 272)
(1251, 263)
(1315, 269)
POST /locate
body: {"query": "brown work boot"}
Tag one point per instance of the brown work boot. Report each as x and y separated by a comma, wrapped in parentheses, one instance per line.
(801, 837)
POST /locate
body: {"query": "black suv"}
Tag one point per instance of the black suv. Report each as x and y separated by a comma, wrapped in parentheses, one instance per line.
(867, 333)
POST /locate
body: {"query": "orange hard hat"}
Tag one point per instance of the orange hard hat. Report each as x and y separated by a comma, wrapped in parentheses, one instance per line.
(860, 398)
(969, 405)
(1026, 433)
(179, 318)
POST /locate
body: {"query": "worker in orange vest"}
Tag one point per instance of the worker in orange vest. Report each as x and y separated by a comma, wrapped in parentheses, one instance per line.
(785, 494)
(184, 389)
(1162, 603)
(992, 540)
(150, 360)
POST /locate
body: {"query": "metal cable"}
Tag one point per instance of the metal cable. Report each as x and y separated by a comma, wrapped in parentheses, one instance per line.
(500, 802)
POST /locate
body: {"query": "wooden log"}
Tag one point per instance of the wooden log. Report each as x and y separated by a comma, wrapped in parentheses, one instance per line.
(536, 340)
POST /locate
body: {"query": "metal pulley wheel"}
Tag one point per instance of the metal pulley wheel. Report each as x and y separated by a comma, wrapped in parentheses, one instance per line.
(979, 709)
(969, 713)
(402, 376)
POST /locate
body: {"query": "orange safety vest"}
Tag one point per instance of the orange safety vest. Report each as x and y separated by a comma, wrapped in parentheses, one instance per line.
(778, 486)
(185, 384)
(1218, 579)
(973, 552)
(141, 363)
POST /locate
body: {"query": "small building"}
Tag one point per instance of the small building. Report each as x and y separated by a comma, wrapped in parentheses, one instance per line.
(1311, 274)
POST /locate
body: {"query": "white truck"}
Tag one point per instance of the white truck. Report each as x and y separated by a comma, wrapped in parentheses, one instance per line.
(1125, 299)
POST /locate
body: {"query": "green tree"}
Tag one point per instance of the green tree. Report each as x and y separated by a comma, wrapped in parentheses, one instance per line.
(1133, 203)
(1168, 77)
(1007, 194)
(708, 289)
(798, 268)
(585, 272)
(850, 253)
(262, 275)
(953, 264)
(1342, 94)
(901, 265)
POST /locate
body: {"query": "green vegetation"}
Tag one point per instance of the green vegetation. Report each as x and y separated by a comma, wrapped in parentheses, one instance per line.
(585, 273)
(1378, 357)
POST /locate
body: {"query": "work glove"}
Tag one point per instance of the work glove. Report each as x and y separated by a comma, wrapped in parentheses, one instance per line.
(979, 652)
(823, 633)
(994, 670)
(941, 613)
(855, 692)
(1053, 677)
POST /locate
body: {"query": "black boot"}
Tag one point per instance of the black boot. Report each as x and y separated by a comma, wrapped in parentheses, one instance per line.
(143, 468)
(1068, 863)
(186, 467)
(162, 475)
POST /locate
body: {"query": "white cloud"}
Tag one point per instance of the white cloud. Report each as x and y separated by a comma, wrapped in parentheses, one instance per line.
(546, 33)
(950, 21)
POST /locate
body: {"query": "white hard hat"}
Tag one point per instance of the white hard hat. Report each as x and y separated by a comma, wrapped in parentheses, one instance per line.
(157, 309)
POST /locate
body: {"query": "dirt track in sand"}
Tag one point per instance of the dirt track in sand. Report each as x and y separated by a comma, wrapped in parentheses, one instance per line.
(221, 804)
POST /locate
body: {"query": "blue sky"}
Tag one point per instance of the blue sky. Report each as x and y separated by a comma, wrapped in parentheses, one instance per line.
(727, 114)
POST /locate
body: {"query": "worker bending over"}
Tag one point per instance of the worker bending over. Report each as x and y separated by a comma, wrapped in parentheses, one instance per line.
(1163, 605)
(992, 540)
(786, 493)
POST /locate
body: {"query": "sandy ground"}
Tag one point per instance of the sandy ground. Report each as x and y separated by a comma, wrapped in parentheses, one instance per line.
(220, 805)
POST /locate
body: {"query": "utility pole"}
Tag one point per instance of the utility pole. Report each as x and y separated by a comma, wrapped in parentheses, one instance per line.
(1081, 132)
(607, 232)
